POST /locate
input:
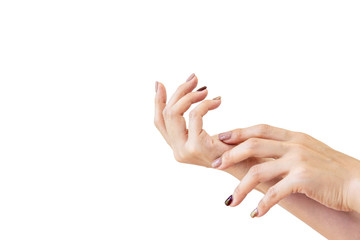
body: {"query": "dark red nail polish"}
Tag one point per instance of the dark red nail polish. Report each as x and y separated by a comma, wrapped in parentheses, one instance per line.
(201, 89)
(228, 201)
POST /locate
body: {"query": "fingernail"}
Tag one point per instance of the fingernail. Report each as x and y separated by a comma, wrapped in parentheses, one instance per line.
(216, 163)
(156, 86)
(191, 77)
(228, 201)
(217, 98)
(201, 89)
(254, 213)
(225, 136)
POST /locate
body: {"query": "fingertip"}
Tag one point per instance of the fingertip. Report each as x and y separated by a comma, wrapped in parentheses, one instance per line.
(231, 137)
(217, 98)
(215, 104)
(160, 90)
(216, 163)
(254, 213)
(225, 136)
(260, 212)
(262, 209)
(229, 200)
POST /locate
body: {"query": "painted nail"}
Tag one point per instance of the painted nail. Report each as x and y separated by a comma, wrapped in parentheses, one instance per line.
(254, 213)
(216, 163)
(217, 98)
(224, 136)
(228, 201)
(201, 89)
(191, 77)
(156, 86)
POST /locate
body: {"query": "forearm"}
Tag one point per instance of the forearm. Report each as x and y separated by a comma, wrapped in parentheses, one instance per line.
(330, 223)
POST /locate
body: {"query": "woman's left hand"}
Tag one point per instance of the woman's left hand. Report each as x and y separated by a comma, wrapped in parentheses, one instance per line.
(301, 163)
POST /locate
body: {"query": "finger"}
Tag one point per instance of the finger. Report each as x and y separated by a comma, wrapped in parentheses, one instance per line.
(196, 115)
(253, 147)
(173, 115)
(273, 196)
(257, 174)
(258, 131)
(185, 102)
(160, 103)
(183, 89)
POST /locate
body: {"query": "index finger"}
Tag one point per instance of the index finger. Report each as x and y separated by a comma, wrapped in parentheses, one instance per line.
(258, 131)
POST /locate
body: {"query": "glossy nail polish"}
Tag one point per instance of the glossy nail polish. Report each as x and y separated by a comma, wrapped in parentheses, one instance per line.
(254, 213)
(156, 86)
(228, 201)
(224, 136)
(191, 77)
(201, 89)
(217, 98)
(216, 163)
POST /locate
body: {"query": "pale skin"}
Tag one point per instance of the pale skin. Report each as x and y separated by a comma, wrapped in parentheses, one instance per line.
(315, 183)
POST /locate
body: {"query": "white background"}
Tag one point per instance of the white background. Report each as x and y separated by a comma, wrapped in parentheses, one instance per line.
(80, 157)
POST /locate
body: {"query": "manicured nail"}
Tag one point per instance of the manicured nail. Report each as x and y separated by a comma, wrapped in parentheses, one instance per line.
(201, 89)
(224, 136)
(217, 98)
(156, 86)
(191, 77)
(254, 213)
(216, 163)
(228, 201)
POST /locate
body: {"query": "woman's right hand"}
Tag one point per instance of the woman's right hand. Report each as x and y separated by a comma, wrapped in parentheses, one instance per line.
(302, 163)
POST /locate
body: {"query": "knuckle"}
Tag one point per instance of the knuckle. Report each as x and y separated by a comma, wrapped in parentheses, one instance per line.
(302, 137)
(298, 148)
(262, 129)
(168, 113)
(255, 172)
(299, 153)
(236, 134)
(301, 173)
(252, 144)
(272, 193)
(193, 114)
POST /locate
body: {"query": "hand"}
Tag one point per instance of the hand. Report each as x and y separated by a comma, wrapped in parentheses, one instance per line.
(301, 163)
(192, 145)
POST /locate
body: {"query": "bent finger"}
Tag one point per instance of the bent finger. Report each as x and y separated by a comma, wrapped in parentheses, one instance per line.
(183, 89)
(185, 102)
(258, 131)
(196, 115)
(258, 174)
(253, 147)
(273, 196)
